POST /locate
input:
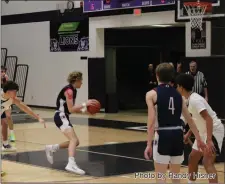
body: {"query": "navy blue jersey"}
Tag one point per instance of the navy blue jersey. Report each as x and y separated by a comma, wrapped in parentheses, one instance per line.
(61, 104)
(169, 106)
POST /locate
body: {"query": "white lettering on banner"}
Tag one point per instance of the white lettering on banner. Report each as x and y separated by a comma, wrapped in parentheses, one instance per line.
(125, 5)
(144, 3)
(69, 40)
(107, 6)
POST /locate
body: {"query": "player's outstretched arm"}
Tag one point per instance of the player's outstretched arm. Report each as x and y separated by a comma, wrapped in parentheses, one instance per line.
(202, 110)
(151, 123)
(27, 110)
(151, 115)
(190, 121)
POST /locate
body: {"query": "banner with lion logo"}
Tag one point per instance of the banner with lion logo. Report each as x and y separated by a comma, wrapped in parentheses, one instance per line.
(69, 36)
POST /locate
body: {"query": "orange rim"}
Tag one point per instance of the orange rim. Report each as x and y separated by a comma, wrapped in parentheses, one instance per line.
(207, 4)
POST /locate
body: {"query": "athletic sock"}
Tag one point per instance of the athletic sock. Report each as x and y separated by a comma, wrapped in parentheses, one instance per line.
(55, 147)
(71, 160)
(11, 132)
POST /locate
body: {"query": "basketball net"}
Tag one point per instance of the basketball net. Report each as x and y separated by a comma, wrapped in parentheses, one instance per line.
(196, 10)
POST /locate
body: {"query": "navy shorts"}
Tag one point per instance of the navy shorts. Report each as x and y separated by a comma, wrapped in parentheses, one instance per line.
(171, 142)
(62, 121)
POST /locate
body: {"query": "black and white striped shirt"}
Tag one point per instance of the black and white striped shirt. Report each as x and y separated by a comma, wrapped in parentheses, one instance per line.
(200, 82)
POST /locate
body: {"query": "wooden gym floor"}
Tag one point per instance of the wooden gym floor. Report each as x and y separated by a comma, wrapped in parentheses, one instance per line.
(110, 151)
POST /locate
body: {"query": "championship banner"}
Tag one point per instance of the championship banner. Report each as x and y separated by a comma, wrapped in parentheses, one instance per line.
(198, 38)
(198, 43)
(69, 36)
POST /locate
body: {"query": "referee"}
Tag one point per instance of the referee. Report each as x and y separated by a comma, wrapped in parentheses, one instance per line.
(200, 84)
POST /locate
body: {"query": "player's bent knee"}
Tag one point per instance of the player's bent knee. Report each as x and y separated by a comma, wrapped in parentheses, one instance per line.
(3, 121)
(78, 142)
(75, 141)
(208, 160)
(194, 155)
(4, 124)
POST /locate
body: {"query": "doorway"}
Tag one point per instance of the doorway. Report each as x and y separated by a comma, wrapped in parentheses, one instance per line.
(133, 50)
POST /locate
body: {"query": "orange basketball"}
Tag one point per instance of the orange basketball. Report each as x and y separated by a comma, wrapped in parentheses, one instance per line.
(95, 107)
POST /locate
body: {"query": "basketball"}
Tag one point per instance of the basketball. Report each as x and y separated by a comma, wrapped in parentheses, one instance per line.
(95, 107)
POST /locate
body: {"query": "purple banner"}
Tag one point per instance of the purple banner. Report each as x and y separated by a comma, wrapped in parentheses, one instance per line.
(92, 5)
(104, 5)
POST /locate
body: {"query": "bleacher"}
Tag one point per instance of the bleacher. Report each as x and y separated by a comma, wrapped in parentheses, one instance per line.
(18, 73)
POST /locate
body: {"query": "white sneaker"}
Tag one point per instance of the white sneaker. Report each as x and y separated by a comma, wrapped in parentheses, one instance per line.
(74, 168)
(8, 148)
(49, 153)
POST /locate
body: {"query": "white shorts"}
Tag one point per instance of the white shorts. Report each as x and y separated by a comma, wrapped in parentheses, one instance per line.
(218, 135)
(164, 159)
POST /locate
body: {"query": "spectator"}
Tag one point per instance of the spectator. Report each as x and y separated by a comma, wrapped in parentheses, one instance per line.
(4, 76)
(152, 77)
(200, 85)
(177, 72)
(179, 68)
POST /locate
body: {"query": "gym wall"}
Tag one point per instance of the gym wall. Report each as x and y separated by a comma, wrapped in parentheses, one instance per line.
(30, 42)
(19, 7)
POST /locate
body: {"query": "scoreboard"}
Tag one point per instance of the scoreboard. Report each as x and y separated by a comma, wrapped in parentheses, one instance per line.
(104, 5)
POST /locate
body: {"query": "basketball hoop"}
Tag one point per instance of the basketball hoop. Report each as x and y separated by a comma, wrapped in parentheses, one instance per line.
(196, 10)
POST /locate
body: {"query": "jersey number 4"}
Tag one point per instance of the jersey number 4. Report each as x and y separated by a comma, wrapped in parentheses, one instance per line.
(171, 105)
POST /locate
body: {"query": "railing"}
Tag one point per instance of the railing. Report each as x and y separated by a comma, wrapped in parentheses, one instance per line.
(21, 75)
(4, 52)
(10, 64)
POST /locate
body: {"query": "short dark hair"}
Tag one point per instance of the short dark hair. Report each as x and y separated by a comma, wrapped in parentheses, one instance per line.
(165, 72)
(9, 86)
(186, 81)
(193, 61)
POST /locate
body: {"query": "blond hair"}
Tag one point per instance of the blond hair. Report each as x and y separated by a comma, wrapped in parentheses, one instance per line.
(74, 76)
(165, 72)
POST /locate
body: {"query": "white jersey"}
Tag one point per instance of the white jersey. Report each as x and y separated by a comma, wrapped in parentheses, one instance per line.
(197, 104)
(5, 103)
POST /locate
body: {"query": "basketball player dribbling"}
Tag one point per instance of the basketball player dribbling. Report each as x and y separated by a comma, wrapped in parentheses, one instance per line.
(165, 106)
(8, 97)
(209, 126)
(65, 106)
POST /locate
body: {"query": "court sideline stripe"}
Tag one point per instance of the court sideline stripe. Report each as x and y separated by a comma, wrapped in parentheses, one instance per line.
(140, 159)
(114, 155)
(52, 169)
